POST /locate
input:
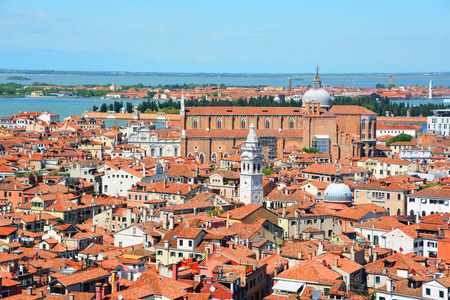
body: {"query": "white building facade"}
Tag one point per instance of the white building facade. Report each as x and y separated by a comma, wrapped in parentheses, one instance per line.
(439, 122)
(156, 143)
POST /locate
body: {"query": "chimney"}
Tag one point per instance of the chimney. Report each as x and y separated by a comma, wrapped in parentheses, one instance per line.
(175, 271)
(166, 244)
(98, 291)
(165, 184)
(284, 211)
(71, 296)
(375, 255)
(320, 249)
(41, 294)
(190, 188)
(336, 262)
(130, 276)
(255, 266)
(143, 169)
(389, 288)
(165, 221)
(105, 288)
(278, 250)
(207, 251)
(29, 290)
(370, 254)
(352, 253)
(299, 255)
(171, 222)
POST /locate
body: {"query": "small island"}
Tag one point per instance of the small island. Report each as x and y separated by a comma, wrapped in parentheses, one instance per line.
(18, 78)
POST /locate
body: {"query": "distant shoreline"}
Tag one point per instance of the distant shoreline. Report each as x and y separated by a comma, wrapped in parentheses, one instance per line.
(200, 74)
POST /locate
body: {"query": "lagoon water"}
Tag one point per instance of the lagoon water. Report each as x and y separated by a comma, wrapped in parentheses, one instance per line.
(358, 80)
(66, 107)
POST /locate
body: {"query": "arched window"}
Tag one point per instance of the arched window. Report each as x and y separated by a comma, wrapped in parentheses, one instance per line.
(219, 124)
(214, 156)
(175, 152)
(411, 212)
(243, 123)
(399, 212)
(225, 155)
(195, 124)
(160, 151)
(152, 152)
(201, 158)
(267, 124)
(190, 154)
(291, 124)
(424, 213)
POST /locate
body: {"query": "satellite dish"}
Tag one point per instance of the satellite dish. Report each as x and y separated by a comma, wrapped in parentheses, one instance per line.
(120, 297)
(212, 289)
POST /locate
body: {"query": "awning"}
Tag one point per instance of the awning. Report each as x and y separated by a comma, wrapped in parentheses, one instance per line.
(287, 286)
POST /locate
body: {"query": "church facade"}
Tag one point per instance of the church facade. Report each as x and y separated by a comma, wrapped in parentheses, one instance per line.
(211, 133)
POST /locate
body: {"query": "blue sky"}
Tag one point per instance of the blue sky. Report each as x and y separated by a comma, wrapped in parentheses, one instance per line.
(226, 36)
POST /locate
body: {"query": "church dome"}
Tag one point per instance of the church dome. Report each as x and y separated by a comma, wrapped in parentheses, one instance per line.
(319, 95)
(337, 193)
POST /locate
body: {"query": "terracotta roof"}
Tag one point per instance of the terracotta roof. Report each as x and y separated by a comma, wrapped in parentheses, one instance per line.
(83, 276)
(241, 212)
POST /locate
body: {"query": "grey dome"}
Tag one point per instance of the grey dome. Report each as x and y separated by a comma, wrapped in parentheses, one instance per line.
(338, 193)
(319, 95)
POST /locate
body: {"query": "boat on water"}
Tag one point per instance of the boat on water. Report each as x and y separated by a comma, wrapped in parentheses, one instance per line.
(446, 100)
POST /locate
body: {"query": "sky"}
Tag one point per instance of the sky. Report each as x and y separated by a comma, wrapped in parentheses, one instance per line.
(383, 36)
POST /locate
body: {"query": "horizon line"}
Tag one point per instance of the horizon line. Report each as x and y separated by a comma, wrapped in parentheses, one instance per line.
(144, 73)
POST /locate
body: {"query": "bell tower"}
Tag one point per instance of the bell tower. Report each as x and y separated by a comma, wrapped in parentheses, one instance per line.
(251, 178)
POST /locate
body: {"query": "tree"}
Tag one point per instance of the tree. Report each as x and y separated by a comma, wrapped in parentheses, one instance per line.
(95, 108)
(129, 107)
(103, 108)
(310, 150)
(380, 86)
(267, 171)
(402, 137)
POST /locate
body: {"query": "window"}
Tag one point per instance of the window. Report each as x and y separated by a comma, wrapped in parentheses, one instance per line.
(181, 242)
(291, 124)
(195, 124)
(190, 243)
(243, 123)
(441, 294)
(219, 124)
(180, 254)
(377, 279)
(427, 291)
(267, 124)
(357, 194)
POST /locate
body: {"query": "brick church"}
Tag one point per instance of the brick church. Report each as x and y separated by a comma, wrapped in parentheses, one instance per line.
(211, 133)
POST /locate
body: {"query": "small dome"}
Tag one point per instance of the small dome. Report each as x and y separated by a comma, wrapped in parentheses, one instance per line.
(319, 95)
(338, 193)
